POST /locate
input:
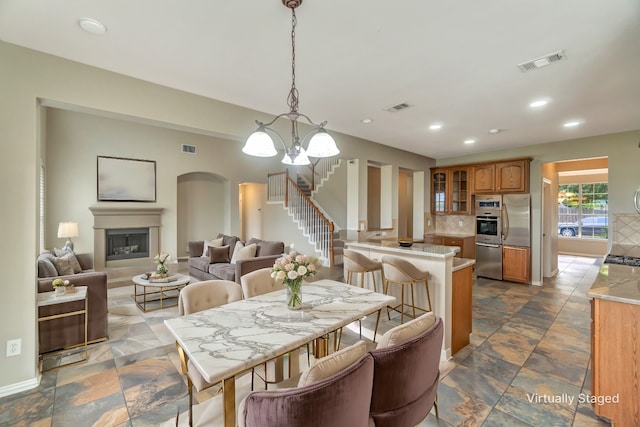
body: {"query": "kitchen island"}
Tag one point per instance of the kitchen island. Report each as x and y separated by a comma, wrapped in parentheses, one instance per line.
(440, 262)
(615, 344)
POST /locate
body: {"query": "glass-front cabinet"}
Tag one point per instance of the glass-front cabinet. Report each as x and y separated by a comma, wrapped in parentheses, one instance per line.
(450, 191)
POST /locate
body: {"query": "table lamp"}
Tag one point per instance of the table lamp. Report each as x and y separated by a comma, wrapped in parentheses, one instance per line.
(67, 230)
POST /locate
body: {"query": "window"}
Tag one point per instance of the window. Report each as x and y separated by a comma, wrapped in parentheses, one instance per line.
(583, 210)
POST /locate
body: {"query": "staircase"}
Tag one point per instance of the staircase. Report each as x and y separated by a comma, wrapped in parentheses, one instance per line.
(295, 195)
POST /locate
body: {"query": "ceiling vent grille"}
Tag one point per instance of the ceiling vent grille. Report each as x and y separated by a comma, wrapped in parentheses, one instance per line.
(191, 149)
(543, 61)
(397, 107)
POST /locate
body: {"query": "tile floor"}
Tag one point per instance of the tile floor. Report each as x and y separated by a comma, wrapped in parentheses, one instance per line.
(526, 340)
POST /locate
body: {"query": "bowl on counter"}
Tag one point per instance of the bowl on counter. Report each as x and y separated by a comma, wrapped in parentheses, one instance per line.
(405, 242)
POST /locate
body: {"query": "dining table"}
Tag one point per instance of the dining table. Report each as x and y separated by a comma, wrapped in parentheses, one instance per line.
(228, 340)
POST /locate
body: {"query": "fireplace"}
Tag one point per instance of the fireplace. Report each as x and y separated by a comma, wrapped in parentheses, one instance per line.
(126, 243)
(124, 220)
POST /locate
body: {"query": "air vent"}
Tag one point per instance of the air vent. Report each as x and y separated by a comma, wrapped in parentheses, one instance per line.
(397, 107)
(543, 61)
(191, 149)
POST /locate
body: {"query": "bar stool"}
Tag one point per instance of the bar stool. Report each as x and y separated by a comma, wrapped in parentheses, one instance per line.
(402, 272)
(355, 262)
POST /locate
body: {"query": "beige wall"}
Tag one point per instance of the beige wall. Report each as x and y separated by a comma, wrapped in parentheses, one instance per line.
(30, 79)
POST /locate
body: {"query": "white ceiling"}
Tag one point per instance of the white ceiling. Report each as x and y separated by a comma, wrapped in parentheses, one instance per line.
(453, 62)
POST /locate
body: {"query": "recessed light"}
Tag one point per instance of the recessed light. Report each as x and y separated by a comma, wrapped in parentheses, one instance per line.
(366, 121)
(571, 124)
(494, 131)
(436, 126)
(92, 26)
(469, 141)
(538, 103)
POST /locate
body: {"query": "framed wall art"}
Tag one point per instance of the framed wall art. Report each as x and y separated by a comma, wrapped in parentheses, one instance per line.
(126, 180)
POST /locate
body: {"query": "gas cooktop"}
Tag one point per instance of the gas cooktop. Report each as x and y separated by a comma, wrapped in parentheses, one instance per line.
(622, 260)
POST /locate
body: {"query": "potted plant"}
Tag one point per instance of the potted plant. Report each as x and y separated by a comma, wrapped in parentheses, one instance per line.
(60, 286)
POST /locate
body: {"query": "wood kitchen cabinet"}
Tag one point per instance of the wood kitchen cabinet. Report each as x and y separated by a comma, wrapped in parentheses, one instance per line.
(510, 176)
(467, 244)
(615, 366)
(450, 191)
(484, 178)
(516, 264)
(461, 308)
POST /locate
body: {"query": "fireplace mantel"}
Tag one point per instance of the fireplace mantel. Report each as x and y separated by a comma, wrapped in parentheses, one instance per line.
(108, 217)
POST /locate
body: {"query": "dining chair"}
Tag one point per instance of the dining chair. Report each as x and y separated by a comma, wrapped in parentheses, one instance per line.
(192, 299)
(335, 391)
(407, 372)
(260, 282)
(404, 273)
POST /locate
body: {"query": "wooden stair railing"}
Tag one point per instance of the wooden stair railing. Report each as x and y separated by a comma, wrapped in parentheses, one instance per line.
(281, 188)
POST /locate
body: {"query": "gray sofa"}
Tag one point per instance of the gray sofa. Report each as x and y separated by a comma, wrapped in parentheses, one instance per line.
(69, 331)
(204, 269)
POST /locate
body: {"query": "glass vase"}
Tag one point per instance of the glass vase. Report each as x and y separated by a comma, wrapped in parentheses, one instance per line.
(161, 269)
(294, 293)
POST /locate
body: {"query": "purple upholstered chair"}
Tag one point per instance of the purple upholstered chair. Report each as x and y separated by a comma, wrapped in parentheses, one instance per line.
(341, 399)
(406, 372)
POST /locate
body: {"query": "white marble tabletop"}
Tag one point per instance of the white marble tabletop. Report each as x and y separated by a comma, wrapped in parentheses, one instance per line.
(227, 340)
(620, 283)
(50, 298)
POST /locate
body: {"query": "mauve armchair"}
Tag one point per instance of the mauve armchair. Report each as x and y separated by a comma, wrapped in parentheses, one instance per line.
(406, 373)
(341, 399)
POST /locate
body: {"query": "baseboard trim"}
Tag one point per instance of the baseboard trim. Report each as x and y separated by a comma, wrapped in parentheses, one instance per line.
(20, 387)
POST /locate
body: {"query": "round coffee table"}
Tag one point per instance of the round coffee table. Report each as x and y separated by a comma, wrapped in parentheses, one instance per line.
(146, 291)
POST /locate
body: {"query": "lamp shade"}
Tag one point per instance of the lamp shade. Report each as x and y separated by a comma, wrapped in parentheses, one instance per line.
(67, 230)
(259, 144)
(322, 145)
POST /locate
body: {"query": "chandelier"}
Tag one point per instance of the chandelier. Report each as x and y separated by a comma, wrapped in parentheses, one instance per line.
(321, 144)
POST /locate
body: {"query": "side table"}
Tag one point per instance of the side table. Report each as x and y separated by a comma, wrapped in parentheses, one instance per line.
(50, 298)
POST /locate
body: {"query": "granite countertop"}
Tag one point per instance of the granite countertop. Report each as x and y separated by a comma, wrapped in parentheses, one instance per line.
(436, 251)
(462, 263)
(458, 235)
(620, 283)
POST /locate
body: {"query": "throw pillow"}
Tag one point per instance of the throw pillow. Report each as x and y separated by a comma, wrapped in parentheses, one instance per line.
(45, 266)
(65, 264)
(241, 252)
(407, 331)
(220, 254)
(216, 243)
(333, 363)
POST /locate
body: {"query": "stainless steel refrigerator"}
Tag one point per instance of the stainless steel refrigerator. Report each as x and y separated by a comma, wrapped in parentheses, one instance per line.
(516, 220)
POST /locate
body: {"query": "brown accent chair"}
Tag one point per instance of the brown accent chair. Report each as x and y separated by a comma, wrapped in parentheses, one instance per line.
(340, 399)
(66, 332)
(407, 372)
(404, 273)
(192, 299)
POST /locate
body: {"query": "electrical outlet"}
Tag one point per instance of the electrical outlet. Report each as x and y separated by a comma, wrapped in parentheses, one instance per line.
(14, 347)
(428, 222)
(384, 233)
(460, 223)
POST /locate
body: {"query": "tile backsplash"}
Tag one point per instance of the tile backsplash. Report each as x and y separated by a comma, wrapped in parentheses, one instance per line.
(456, 224)
(626, 235)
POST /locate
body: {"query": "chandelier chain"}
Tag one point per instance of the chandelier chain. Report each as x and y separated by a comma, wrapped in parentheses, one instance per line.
(292, 99)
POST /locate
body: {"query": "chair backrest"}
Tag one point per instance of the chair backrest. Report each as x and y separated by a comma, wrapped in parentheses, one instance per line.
(400, 270)
(406, 379)
(355, 261)
(259, 282)
(208, 294)
(342, 399)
